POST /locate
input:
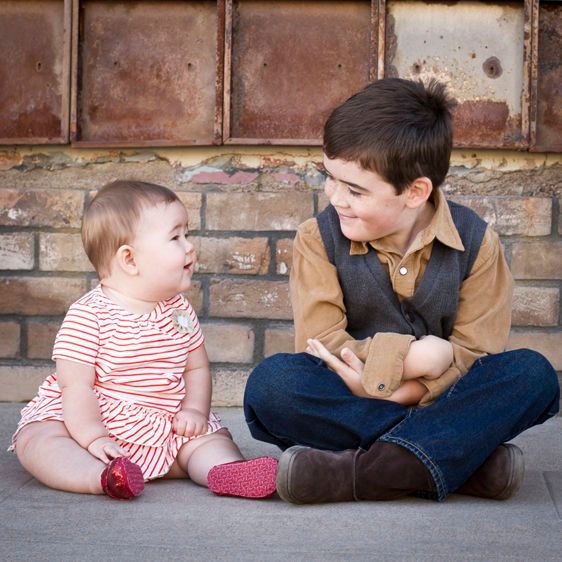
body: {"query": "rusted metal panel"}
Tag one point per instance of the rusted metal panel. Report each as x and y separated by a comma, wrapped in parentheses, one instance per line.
(292, 63)
(548, 132)
(34, 71)
(147, 73)
(477, 49)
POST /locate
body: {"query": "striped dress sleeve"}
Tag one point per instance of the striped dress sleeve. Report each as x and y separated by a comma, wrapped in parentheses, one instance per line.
(78, 337)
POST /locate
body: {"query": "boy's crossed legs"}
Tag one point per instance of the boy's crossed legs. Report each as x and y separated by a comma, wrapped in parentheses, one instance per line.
(387, 450)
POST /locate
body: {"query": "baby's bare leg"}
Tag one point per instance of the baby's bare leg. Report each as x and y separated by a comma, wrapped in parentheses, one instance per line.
(198, 456)
(46, 450)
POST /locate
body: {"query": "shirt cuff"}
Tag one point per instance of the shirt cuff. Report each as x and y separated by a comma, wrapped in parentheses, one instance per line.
(384, 366)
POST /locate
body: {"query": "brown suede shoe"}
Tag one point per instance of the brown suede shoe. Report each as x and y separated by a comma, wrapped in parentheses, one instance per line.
(499, 477)
(307, 475)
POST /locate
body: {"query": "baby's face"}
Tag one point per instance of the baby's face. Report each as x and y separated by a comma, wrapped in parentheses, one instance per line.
(165, 258)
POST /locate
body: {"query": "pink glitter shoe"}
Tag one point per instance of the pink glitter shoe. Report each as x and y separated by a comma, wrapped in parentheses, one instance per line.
(245, 479)
(122, 479)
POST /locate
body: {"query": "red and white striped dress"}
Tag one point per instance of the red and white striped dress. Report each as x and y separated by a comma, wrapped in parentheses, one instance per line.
(139, 361)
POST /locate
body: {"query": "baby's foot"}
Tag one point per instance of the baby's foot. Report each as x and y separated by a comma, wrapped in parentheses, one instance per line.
(246, 479)
(122, 479)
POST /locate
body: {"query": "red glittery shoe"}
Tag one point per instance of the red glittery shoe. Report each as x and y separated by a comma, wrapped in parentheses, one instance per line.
(122, 479)
(245, 479)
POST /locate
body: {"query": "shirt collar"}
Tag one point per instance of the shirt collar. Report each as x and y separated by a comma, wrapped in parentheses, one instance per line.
(441, 227)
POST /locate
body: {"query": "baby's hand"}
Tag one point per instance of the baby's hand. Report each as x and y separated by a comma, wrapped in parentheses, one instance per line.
(105, 449)
(190, 423)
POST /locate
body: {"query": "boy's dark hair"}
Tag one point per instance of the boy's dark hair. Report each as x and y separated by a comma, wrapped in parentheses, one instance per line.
(400, 129)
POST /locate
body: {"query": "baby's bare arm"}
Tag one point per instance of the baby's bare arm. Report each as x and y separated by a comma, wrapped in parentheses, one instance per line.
(81, 410)
(428, 357)
(192, 419)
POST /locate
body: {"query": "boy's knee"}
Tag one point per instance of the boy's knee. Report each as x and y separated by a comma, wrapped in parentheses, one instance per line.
(272, 380)
(537, 369)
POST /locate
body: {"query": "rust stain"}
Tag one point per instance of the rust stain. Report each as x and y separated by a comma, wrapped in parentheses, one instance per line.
(549, 84)
(145, 82)
(480, 123)
(31, 69)
(276, 96)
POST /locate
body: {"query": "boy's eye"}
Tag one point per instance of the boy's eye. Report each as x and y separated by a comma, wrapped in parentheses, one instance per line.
(353, 193)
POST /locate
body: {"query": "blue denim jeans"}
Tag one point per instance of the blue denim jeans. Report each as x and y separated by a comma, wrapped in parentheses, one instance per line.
(294, 399)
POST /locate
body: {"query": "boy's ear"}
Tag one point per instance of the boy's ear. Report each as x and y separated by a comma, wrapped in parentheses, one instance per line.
(419, 192)
(125, 259)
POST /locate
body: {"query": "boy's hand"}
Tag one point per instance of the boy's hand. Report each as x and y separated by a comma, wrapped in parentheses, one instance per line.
(350, 369)
(105, 449)
(190, 423)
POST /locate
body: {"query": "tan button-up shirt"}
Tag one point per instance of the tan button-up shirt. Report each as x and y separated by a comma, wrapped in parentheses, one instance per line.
(483, 314)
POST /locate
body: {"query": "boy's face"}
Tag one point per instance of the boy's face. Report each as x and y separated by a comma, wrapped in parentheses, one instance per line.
(163, 255)
(367, 206)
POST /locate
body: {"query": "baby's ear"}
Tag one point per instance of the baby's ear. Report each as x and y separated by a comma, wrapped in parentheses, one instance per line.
(125, 259)
(419, 192)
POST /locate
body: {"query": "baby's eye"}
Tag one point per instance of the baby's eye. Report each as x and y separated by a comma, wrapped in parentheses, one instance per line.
(176, 237)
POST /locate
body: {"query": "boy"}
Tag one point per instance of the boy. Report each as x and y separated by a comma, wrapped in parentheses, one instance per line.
(403, 302)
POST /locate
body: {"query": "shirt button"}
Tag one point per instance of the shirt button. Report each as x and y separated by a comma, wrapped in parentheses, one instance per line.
(380, 388)
(403, 270)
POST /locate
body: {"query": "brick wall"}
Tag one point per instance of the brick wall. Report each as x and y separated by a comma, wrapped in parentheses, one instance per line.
(244, 206)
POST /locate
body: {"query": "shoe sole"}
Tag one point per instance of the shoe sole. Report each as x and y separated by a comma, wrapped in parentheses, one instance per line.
(284, 474)
(517, 462)
(254, 479)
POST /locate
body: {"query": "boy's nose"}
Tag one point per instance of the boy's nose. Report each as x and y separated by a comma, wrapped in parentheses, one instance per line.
(336, 193)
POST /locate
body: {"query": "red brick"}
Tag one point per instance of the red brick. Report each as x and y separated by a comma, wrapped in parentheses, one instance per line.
(39, 295)
(244, 256)
(229, 343)
(510, 215)
(20, 383)
(56, 208)
(537, 260)
(10, 333)
(41, 338)
(250, 299)
(228, 386)
(279, 340)
(192, 202)
(284, 256)
(16, 250)
(257, 211)
(195, 296)
(549, 344)
(536, 306)
(62, 252)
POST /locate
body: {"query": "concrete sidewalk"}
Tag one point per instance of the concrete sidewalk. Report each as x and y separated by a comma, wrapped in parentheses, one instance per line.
(177, 520)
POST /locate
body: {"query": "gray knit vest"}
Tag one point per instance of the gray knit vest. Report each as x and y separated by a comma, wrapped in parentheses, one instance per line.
(370, 302)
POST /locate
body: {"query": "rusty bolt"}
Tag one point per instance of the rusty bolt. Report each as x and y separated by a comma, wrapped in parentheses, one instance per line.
(492, 67)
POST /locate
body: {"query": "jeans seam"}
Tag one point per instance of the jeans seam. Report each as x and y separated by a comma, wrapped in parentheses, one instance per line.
(438, 479)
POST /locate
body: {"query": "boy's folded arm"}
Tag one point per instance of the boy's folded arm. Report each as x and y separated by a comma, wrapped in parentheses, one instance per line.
(483, 315)
(319, 312)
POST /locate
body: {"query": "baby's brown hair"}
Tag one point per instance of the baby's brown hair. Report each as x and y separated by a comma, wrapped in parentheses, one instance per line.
(111, 218)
